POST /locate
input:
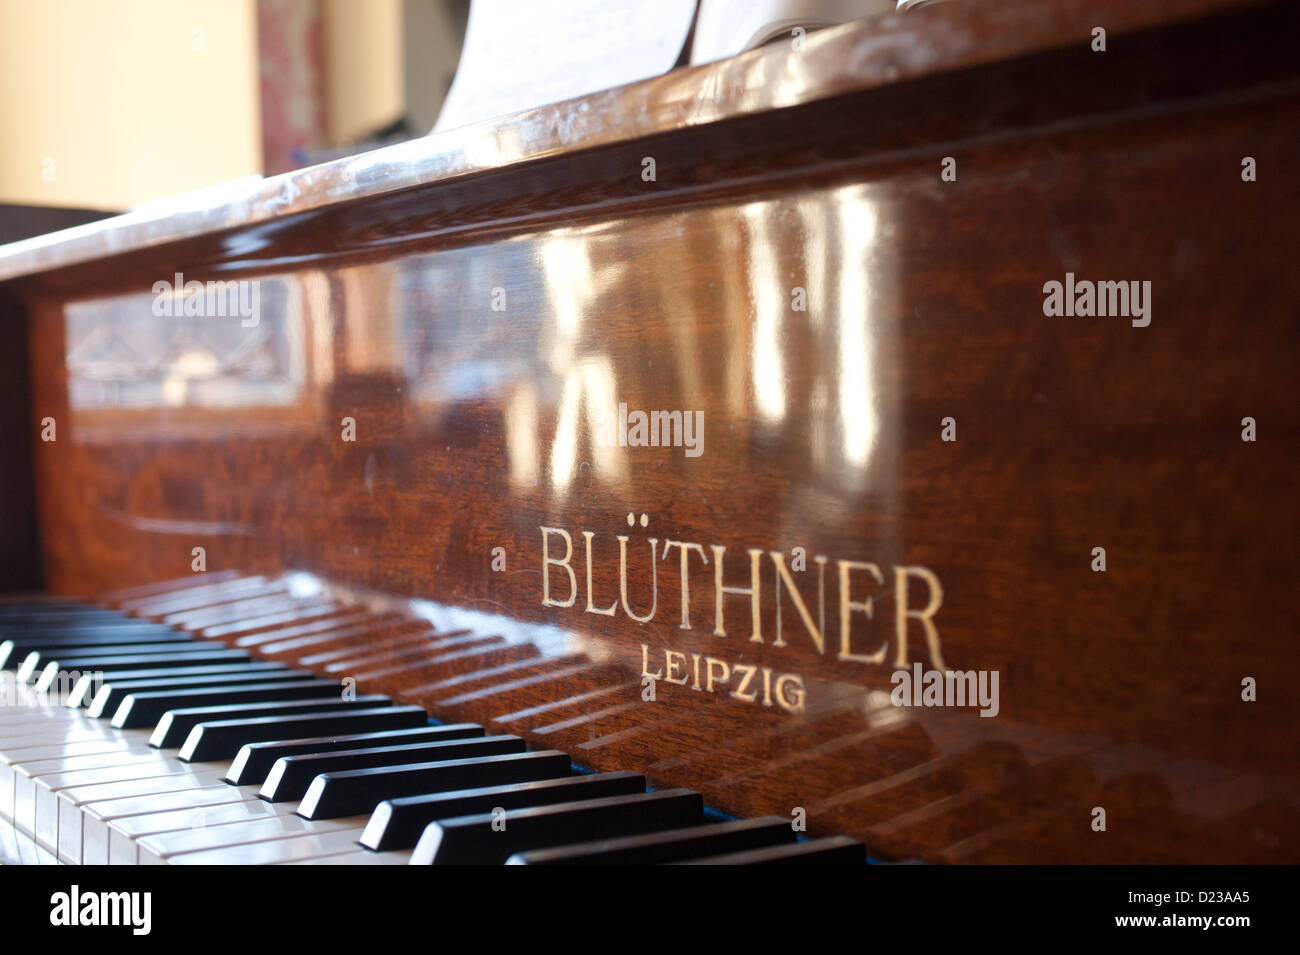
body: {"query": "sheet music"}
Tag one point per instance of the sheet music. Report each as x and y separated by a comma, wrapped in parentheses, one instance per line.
(520, 53)
(728, 27)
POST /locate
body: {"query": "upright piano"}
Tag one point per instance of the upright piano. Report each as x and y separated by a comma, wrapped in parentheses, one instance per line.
(880, 449)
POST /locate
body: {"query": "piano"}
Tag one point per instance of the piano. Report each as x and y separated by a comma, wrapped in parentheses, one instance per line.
(881, 450)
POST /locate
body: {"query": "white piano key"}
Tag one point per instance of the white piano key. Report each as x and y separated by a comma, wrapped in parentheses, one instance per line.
(50, 730)
(13, 731)
(81, 792)
(93, 848)
(26, 700)
(23, 698)
(183, 777)
(19, 756)
(36, 800)
(166, 846)
(26, 773)
(119, 754)
(29, 853)
(190, 778)
(57, 734)
(125, 834)
(17, 734)
(13, 718)
(277, 851)
(354, 857)
(85, 747)
(9, 851)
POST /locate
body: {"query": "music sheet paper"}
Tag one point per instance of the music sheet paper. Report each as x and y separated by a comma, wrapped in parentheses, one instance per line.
(519, 54)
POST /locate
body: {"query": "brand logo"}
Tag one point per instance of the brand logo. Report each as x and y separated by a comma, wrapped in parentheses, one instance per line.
(914, 591)
(75, 907)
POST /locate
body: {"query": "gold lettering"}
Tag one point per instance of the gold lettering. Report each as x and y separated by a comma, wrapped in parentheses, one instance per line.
(820, 560)
(548, 560)
(723, 674)
(591, 589)
(672, 666)
(925, 616)
(794, 702)
(622, 579)
(645, 664)
(739, 692)
(783, 576)
(847, 605)
(788, 689)
(686, 584)
(753, 591)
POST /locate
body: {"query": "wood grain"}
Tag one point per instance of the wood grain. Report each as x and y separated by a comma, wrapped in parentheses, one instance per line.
(476, 428)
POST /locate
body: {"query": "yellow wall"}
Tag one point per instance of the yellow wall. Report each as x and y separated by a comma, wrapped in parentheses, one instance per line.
(122, 99)
(363, 66)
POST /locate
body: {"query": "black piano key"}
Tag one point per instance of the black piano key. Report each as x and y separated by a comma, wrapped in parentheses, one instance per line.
(254, 760)
(18, 630)
(222, 739)
(291, 775)
(14, 651)
(12, 618)
(672, 845)
(398, 823)
(90, 633)
(81, 665)
(24, 604)
(86, 691)
(147, 644)
(355, 791)
(833, 850)
(114, 692)
(50, 603)
(473, 840)
(175, 725)
(26, 668)
(37, 661)
(140, 709)
(77, 632)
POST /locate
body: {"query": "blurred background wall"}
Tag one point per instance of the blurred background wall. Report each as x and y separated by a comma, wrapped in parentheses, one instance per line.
(104, 105)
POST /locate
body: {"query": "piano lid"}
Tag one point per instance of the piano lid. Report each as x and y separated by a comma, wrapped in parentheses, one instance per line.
(886, 51)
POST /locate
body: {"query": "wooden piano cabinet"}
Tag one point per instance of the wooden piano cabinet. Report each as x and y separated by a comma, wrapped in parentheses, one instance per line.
(896, 449)
(20, 558)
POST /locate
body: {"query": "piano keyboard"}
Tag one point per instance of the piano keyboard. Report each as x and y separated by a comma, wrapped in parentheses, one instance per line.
(129, 741)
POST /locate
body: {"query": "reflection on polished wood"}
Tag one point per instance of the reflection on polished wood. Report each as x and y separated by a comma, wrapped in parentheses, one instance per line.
(480, 428)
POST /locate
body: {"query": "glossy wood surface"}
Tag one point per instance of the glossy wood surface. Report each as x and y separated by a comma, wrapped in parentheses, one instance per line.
(476, 428)
(840, 61)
